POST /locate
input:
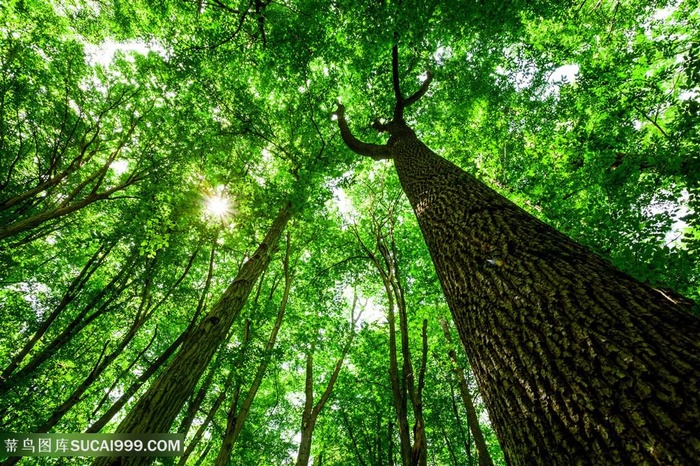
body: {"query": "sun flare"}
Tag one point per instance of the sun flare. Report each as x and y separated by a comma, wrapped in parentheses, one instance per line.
(218, 204)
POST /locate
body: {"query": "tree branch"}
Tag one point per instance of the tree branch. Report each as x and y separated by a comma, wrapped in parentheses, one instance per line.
(398, 110)
(375, 151)
(420, 92)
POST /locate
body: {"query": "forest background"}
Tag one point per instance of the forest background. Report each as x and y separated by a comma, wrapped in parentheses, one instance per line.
(147, 147)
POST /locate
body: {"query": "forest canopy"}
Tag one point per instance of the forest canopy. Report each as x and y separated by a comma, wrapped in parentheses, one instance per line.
(160, 161)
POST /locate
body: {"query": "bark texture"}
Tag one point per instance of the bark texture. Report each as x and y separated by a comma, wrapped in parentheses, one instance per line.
(577, 362)
(156, 410)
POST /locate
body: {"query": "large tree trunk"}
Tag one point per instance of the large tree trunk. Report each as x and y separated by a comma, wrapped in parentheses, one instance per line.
(156, 410)
(576, 361)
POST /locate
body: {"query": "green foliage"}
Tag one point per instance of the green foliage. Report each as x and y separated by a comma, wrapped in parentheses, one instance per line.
(208, 97)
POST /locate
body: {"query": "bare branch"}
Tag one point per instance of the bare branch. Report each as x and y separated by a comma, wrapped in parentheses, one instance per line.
(398, 110)
(402, 103)
(420, 92)
(375, 151)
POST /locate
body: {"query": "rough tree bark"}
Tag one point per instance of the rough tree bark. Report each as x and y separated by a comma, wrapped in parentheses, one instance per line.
(576, 361)
(157, 408)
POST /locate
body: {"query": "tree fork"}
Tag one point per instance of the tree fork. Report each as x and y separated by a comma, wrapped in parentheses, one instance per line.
(577, 362)
(311, 411)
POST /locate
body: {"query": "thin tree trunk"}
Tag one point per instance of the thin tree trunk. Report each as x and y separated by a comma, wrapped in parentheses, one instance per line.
(50, 178)
(236, 418)
(221, 397)
(398, 383)
(472, 419)
(466, 437)
(134, 387)
(450, 450)
(306, 417)
(77, 395)
(141, 317)
(76, 163)
(419, 450)
(390, 450)
(353, 440)
(204, 454)
(379, 441)
(151, 310)
(156, 410)
(65, 207)
(123, 374)
(72, 291)
(404, 386)
(310, 415)
(576, 361)
(193, 405)
(113, 289)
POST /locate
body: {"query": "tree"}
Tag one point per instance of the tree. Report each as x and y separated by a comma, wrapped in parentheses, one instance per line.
(407, 384)
(482, 450)
(312, 410)
(585, 114)
(156, 365)
(236, 416)
(627, 353)
(157, 408)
